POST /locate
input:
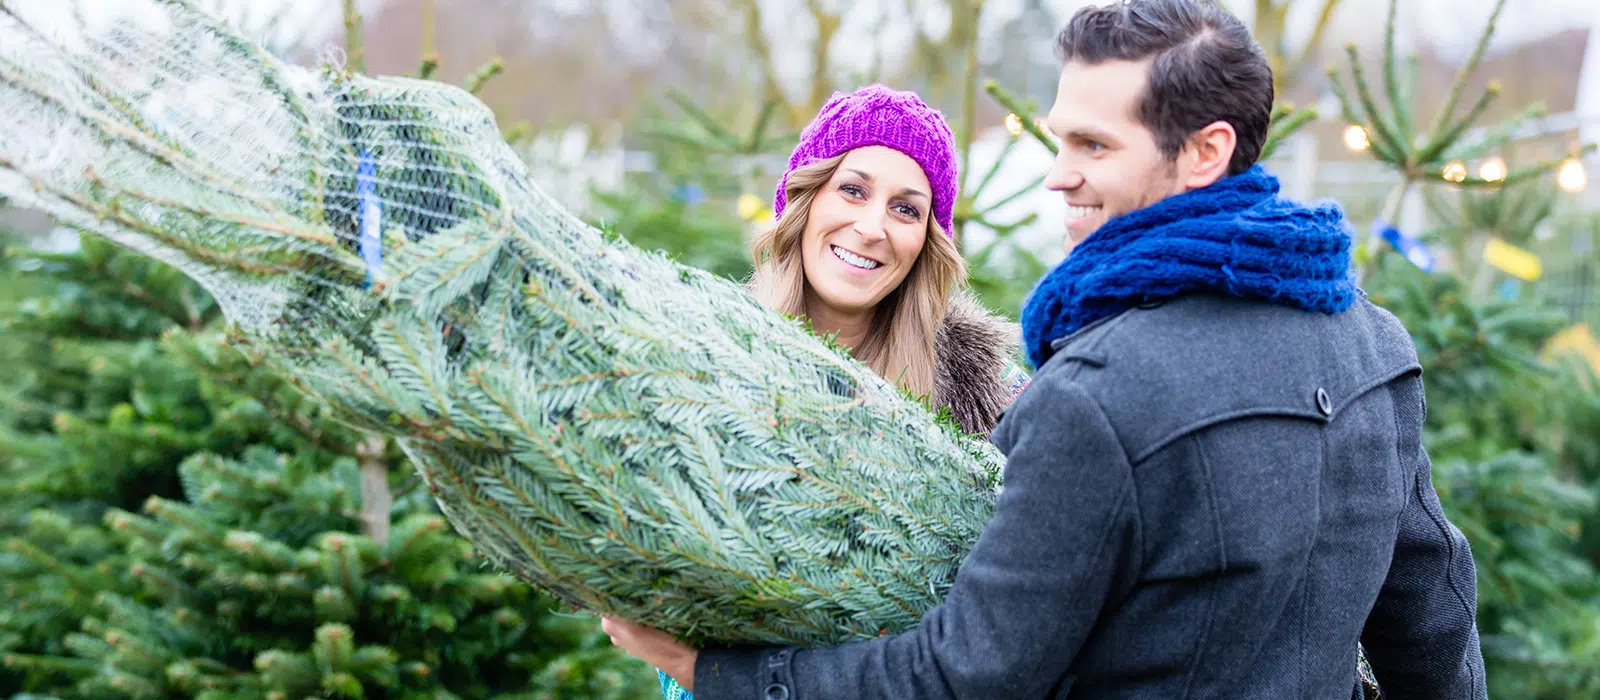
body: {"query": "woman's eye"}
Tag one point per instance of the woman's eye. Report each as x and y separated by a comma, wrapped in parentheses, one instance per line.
(852, 190)
(909, 211)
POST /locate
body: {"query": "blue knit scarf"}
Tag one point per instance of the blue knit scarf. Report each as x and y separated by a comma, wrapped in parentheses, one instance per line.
(1235, 237)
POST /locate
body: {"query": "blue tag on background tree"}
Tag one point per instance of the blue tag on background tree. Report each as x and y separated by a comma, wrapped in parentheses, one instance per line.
(1412, 249)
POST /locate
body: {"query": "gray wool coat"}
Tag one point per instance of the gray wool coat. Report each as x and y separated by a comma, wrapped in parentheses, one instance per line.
(1205, 498)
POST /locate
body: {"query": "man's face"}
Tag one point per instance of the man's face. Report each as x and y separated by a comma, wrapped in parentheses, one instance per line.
(1108, 163)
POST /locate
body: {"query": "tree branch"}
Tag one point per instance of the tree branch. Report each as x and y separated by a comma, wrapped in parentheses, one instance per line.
(430, 48)
(354, 44)
(429, 27)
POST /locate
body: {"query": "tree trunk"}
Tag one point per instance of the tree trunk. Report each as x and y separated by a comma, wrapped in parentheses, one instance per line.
(375, 497)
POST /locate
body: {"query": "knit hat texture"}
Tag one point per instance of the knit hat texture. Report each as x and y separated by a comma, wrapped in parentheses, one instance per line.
(877, 115)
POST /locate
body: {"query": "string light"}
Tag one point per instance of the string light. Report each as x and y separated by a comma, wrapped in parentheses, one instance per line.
(1355, 138)
(1492, 170)
(1014, 124)
(1571, 177)
(1455, 171)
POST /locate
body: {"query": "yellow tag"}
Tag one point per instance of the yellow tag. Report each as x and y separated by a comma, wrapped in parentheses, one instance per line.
(1576, 340)
(750, 206)
(1512, 260)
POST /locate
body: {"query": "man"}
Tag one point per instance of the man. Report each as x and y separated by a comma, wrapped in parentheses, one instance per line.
(1215, 484)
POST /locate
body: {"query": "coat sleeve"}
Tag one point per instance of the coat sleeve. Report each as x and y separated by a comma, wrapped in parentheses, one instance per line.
(1422, 637)
(1064, 535)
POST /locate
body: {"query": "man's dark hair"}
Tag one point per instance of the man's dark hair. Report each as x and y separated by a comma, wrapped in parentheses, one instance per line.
(1204, 68)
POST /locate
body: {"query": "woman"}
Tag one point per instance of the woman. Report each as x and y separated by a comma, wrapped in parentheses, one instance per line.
(863, 250)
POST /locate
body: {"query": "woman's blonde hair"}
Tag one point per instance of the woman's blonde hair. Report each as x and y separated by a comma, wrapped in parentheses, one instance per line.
(900, 342)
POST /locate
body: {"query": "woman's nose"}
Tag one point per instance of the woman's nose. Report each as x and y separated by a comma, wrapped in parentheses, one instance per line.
(870, 228)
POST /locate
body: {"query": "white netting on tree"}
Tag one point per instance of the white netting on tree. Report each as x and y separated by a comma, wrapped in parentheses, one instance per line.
(638, 437)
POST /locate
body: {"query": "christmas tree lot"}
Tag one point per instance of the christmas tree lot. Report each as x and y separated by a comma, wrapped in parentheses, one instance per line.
(183, 520)
(179, 523)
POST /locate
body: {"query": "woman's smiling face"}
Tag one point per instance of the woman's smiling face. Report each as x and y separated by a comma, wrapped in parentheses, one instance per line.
(865, 229)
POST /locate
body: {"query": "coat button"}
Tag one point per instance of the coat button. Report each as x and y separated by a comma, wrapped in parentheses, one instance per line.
(1324, 403)
(777, 691)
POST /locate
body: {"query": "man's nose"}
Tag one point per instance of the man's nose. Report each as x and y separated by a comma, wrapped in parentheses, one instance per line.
(1063, 175)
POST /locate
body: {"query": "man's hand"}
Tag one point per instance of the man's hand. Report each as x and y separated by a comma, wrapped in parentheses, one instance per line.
(654, 647)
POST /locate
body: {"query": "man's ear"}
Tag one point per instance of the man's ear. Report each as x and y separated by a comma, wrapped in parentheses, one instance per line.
(1211, 149)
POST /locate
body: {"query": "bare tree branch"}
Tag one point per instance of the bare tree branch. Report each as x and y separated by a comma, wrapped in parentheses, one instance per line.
(1271, 30)
(1314, 42)
(929, 51)
(756, 39)
(821, 85)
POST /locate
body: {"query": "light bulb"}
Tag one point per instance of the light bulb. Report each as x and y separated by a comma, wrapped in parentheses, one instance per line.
(1014, 124)
(1492, 170)
(1355, 138)
(1571, 177)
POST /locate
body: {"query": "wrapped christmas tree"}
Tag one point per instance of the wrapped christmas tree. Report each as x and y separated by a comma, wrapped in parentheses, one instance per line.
(638, 437)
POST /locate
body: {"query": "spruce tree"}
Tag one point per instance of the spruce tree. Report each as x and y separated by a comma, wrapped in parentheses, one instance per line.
(260, 585)
(146, 465)
(94, 415)
(93, 407)
(1516, 461)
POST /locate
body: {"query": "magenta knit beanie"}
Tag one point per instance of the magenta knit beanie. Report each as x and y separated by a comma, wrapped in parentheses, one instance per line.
(876, 115)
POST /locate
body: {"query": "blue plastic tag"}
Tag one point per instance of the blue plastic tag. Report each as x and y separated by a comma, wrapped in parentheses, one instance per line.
(371, 215)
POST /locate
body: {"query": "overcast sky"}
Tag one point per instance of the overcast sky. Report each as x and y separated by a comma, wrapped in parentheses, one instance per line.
(1450, 25)
(1447, 23)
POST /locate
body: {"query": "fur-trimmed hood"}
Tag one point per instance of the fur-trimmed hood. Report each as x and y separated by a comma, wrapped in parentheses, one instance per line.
(976, 374)
(975, 362)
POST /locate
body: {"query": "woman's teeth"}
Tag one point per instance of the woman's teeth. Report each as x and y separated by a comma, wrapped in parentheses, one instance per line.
(855, 260)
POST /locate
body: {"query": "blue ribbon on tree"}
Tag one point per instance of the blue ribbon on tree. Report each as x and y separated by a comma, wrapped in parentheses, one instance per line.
(370, 215)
